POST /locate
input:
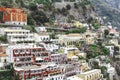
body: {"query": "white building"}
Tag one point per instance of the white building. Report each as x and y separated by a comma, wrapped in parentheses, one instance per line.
(41, 37)
(50, 47)
(2, 30)
(112, 72)
(40, 29)
(19, 36)
(74, 78)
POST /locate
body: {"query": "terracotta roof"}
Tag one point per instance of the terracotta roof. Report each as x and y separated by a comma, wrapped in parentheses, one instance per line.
(15, 10)
(3, 55)
(112, 31)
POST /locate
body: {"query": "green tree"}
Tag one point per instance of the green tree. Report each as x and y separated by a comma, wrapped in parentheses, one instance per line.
(90, 20)
(70, 18)
(68, 7)
(95, 65)
(32, 6)
(96, 25)
(4, 3)
(30, 27)
(1, 16)
(30, 20)
(52, 36)
(76, 6)
(78, 30)
(3, 39)
(64, 11)
(105, 51)
(116, 50)
(40, 17)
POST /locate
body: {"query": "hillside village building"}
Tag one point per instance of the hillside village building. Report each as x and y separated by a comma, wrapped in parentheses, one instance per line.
(71, 52)
(34, 62)
(17, 36)
(41, 29)
(91, 75)
(69, 39)
(89, 37)
(43, 37)
(14, 16)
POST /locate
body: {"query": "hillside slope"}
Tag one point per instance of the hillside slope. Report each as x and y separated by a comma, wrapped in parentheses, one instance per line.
(109, 9)
(41, 12)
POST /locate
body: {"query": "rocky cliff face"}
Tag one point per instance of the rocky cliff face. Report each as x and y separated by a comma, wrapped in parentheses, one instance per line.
(113, 3)
(109, 9)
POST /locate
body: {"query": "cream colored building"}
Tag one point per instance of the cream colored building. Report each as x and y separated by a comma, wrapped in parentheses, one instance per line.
(73, 52)
(70, 39)
(91, 75)
(89, 37)
(114, 41)
(74, 78)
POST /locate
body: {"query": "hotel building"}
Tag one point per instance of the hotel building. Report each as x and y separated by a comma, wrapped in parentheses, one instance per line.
(33, 63)
(14, 16)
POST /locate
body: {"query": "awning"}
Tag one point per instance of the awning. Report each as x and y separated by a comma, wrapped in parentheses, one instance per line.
(38, 58)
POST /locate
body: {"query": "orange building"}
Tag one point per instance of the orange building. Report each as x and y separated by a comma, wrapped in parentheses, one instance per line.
(14, 16)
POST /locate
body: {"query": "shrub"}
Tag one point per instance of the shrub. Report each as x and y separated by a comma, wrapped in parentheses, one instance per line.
(3, 39)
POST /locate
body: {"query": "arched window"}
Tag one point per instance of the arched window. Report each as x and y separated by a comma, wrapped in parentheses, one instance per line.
(19, 17)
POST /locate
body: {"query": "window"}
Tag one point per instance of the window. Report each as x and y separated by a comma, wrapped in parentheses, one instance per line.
(16, 51)
(14, 18)
(27, 50)
(21, 50)
(52, 78)
(5, 61)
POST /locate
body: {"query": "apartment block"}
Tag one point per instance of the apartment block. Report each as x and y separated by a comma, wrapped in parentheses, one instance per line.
(19, 36)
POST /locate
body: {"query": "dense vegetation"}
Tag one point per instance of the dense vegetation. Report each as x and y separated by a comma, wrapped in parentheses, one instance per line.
(46, 13)
(3, 39)
(96, 50)
(77, 30)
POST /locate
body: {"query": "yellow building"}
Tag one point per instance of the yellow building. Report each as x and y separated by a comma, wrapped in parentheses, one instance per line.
(73, 52)
(91, 75)
(78, 24)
